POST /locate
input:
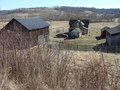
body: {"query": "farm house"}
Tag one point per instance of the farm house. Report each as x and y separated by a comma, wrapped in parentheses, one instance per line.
(32, 29)
(113, 36)
(81, 24)
(103, 32)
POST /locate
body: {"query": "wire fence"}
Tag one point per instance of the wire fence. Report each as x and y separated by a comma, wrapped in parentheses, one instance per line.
(101, 48)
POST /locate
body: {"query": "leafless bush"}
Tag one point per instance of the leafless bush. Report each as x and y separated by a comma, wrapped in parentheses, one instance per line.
(32, 68)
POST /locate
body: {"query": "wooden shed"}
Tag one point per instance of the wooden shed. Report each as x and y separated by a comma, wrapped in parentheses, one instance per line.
(33, 29)
(113, 36)
(103, 31)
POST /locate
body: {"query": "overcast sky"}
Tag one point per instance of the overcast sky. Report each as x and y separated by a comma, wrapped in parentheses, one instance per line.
(14, 4)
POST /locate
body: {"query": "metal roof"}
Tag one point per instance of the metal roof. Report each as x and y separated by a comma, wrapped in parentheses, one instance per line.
(105, 28)
(86, 23)
(73, 21)
(32, 23)
(115, 30)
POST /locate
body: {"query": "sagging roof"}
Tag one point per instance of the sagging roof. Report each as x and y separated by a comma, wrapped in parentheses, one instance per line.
(32, 23)
(115, 30)
(84, 22)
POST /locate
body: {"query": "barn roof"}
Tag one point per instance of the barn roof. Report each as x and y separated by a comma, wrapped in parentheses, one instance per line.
(105, 28)
(115, 30)
(72, 21)
(86, 22)
(32, 23)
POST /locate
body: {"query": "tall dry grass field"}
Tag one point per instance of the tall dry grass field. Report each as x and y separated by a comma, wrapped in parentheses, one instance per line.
(42, 68)
(49, 68)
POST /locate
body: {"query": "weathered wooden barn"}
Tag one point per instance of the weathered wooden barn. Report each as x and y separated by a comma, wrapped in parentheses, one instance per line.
(32, 29)
(113, 36)
(81, 24)
(103, 31)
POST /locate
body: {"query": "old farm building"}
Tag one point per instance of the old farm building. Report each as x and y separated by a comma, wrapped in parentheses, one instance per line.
(81, 25)
(103, 31)
(113, 36)
(32, 29)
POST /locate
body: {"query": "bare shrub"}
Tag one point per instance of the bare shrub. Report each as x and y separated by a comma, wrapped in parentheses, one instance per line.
(34, 67)
(96, 75)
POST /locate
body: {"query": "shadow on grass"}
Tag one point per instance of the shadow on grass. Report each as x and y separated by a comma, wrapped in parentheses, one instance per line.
(99, 38)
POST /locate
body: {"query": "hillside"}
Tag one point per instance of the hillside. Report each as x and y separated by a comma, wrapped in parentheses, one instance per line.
(61, 13)
(94, 10)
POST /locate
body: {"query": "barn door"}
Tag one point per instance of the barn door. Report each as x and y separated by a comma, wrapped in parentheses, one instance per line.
(41, 39)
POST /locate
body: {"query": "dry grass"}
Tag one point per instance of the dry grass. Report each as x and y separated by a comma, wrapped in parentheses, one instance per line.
(45, 68)
(103, 24)
(59, 24)
(2, 24)
(42, 68)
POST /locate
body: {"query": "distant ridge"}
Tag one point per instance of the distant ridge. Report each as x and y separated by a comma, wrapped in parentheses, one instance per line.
(61, 13)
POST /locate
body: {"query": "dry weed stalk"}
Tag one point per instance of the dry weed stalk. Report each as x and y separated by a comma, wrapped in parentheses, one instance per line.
(44, 68)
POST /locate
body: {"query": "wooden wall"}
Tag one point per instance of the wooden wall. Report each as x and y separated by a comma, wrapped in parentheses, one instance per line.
(113, 40)
(34, 34)
(16, 33)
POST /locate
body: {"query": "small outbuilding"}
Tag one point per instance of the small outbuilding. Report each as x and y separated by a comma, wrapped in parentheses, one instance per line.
(103, 32)
(32, 29)
(113, 36)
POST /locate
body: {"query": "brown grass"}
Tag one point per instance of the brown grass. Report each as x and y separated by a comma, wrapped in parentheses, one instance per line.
(45, 68)
(58, 24)
(42, 68)
(2, 24)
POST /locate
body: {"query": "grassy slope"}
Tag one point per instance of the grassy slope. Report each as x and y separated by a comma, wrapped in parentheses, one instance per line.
(94, 30)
